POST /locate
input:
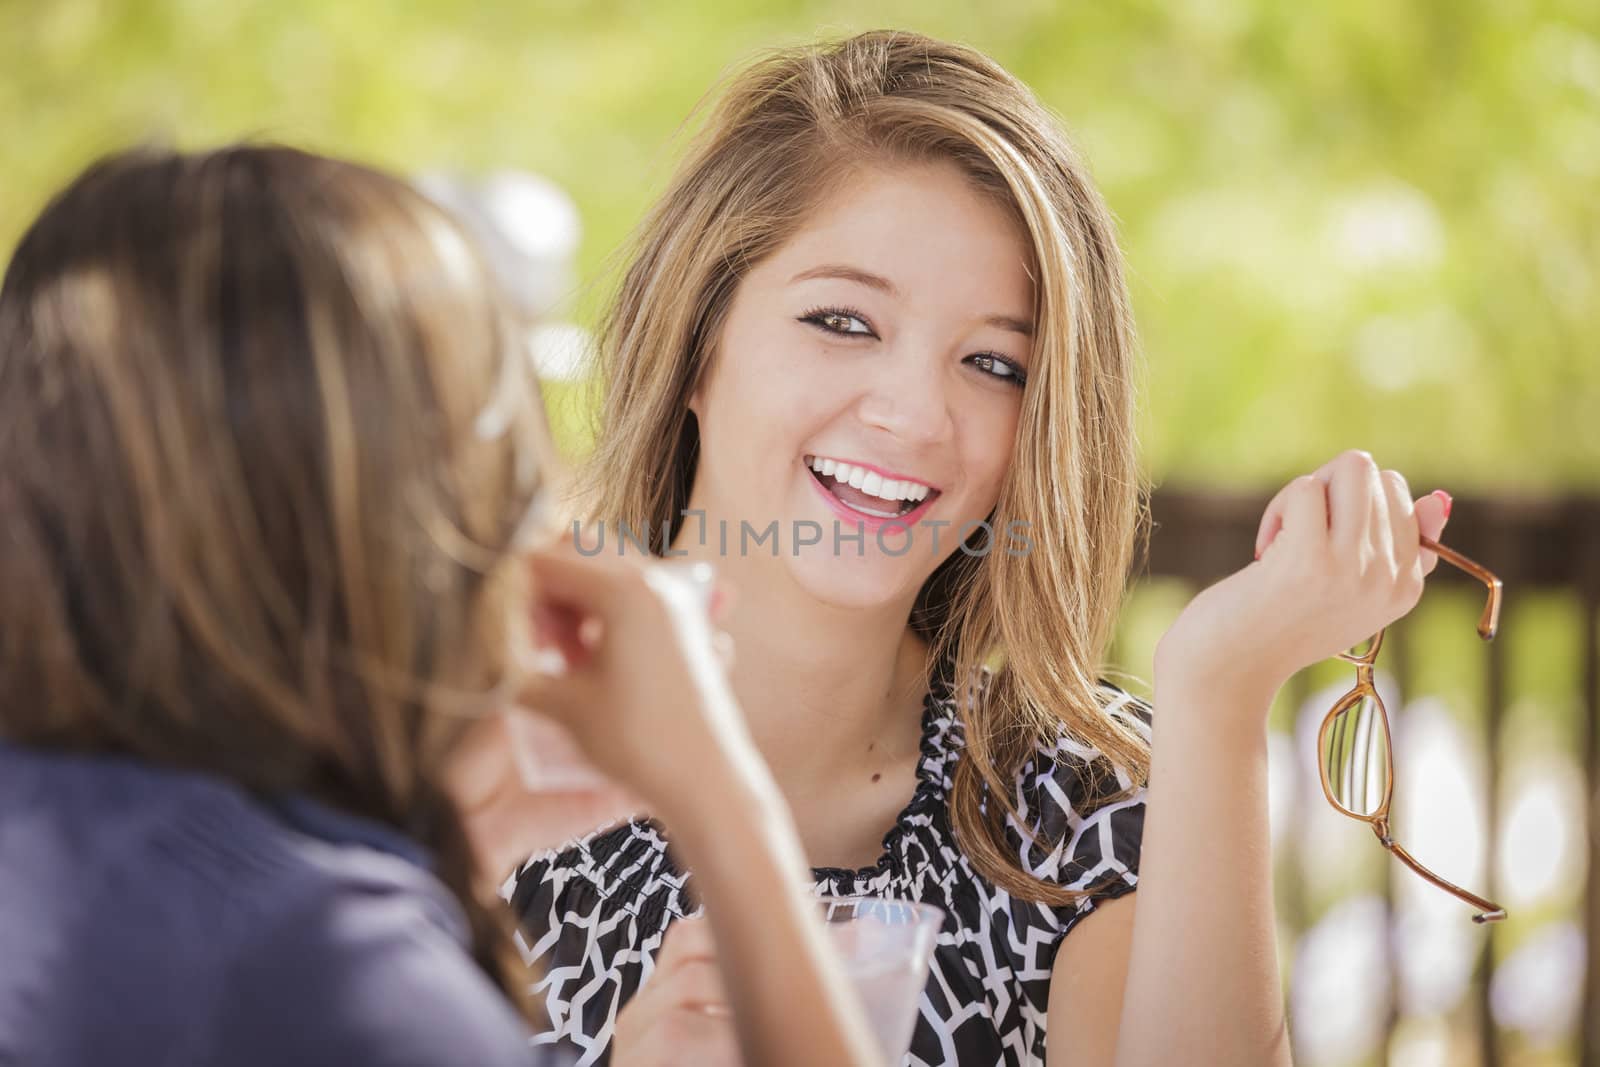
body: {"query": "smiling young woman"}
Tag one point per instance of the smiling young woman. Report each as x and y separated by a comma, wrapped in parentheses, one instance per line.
(881, 302)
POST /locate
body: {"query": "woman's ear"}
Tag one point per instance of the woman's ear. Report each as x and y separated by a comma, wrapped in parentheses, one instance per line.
(702, 375)
(697, 395)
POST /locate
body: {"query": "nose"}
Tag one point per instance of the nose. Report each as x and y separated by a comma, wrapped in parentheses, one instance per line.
(907, 396)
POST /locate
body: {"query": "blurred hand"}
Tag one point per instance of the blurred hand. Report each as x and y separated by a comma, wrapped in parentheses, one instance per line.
(644, 687)
(680, 1015)
(1339, 559)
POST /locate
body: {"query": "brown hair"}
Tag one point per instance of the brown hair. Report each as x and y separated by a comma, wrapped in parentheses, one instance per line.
(782, 132)
(264, 452)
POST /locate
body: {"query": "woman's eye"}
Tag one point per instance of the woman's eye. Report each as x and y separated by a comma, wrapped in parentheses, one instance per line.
(838, 320)
(1000, 367)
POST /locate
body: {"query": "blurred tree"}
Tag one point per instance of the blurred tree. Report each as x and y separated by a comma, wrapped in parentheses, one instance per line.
(1355, 224)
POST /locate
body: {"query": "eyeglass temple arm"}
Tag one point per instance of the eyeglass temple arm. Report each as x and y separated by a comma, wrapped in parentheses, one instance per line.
(1488, 910)
(1489, 621)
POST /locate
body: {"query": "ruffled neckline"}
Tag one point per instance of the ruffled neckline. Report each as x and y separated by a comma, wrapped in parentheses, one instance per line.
(617, 863)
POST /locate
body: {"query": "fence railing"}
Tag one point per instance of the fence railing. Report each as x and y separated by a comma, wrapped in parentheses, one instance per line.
(1536, 544)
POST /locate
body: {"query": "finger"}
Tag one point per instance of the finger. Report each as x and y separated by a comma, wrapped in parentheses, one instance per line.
(698, 1037)
(686, 939)
(588, 585)
(553, 689)
(1271, 523)
(1353, 491)
(570, 595)
(695, 985)
(1380, 528)
(1401, 513)
(654, 1027)
(1304, 510)
(1432, 513)
(560, 627)
(1272, 519)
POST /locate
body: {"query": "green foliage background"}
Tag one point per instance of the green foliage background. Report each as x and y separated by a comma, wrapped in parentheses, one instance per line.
(1350, 223)
(1361, 223)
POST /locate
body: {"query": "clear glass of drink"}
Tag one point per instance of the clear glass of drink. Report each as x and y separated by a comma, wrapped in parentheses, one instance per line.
(886, 946)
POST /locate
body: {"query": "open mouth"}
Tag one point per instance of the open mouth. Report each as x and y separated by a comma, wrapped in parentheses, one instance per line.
(868, 491)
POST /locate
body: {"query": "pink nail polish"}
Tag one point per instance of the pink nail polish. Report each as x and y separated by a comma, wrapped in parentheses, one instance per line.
(1444, 496)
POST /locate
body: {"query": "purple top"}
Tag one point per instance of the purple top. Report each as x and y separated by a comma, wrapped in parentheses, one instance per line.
(162, 917)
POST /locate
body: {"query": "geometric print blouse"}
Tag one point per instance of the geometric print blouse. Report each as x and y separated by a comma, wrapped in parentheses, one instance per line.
(592, 915)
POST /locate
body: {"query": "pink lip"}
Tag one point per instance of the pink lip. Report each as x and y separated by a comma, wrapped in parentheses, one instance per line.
(870, 522)
(880, 471)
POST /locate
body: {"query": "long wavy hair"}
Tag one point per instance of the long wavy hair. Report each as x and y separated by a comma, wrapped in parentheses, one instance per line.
(1025, 635)
(265, 449)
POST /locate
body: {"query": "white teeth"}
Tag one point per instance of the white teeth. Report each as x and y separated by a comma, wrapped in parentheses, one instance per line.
(891, 489)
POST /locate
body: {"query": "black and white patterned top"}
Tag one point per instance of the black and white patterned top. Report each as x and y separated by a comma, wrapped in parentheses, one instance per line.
(593, 914)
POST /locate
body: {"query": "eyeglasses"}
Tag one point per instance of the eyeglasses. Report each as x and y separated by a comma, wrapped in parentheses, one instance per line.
(1356, 754)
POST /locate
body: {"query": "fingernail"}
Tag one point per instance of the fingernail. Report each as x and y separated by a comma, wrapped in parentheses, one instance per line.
(1258, 553)
(1445, 498)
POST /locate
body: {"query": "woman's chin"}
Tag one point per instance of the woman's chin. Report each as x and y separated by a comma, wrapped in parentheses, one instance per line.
(856, 582)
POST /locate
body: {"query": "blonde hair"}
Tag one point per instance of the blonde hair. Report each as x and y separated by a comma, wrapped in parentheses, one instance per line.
(783, 131)
(256, 522)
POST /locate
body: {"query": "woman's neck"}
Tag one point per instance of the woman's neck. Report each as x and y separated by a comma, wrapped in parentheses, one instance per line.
(823, 688)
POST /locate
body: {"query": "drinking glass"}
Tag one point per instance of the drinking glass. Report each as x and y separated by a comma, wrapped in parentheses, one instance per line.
(886, 946)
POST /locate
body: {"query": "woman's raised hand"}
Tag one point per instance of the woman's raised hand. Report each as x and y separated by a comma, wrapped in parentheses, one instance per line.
(642, 682)
(1338, 558)
(637, 696)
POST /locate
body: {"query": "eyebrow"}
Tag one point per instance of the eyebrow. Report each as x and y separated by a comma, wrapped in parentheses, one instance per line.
(885, 286)
(1006, 322)
(849, 274)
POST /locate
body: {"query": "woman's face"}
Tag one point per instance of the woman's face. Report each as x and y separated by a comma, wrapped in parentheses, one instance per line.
(886, 344)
